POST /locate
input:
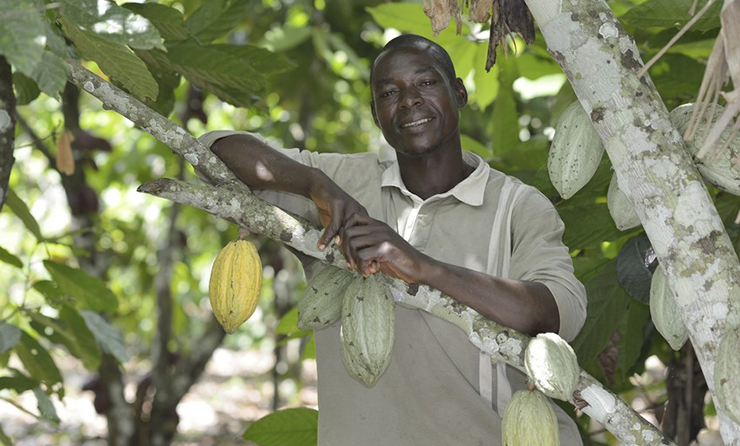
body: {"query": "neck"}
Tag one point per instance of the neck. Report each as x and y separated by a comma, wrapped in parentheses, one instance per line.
(434, 173)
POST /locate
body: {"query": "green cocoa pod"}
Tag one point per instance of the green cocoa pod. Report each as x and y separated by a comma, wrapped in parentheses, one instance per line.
(321, 304)
(720, 169)
(727, 373)
(368, 328)
(664, 311)
(620, 207)
(529, 420)
(575, 152)
(552, 366)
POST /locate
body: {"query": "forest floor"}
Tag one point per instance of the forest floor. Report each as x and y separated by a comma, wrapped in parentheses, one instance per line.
(235, 390)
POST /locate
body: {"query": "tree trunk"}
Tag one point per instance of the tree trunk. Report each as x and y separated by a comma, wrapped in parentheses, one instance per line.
(7, 127)
(601, 61)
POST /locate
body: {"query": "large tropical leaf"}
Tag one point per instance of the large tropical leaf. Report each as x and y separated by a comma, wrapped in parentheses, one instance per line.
(116, 60)
(89, 291)
(290, 427)
(215, 18)
(110, 22)
(671, 14)
(167, 20)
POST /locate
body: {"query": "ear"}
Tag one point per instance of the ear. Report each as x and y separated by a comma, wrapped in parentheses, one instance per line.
(461, 94)
(375, 116)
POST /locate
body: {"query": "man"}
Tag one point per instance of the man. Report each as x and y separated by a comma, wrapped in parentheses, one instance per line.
(437, 216)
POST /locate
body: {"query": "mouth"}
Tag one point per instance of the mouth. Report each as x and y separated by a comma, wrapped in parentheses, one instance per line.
(418, 122)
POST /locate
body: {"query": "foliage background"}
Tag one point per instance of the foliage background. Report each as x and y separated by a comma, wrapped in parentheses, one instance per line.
(100, 247)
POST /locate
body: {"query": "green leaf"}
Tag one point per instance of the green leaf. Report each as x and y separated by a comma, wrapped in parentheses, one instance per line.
(51, 74)
(635, 265)
(112, 23)
(486, 82)
(463, 54)
(215, 18)
(230, 72)
(23, 34)
(505, 122)
(286, 37)
(167, 20)
(677, 77)
(167, 80)
(533, 66)
(72, 333)
(607, 302)
(21, 211)
(474, 146)
(632, 340)
(116, 60)
(587, 225)
(18, 382)
(89, 291)
(288, 326)
(671, 14)
(39, 364)
(290, 427)
(46, 407)
(108, 337)
(406, 17)
(26, 89)
(50, 290)
(9, 258)
(9, 336)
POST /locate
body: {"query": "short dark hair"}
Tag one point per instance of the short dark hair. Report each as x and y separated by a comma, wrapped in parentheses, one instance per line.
(434, 49)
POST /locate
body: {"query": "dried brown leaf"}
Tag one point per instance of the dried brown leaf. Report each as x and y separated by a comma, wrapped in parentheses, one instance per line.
(480, 10)
(65, 160)
(440, 12)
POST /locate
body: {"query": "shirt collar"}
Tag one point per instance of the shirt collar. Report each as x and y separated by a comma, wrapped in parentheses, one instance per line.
(469, 191)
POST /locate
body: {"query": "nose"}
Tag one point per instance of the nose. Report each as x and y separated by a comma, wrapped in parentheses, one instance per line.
(411, 98)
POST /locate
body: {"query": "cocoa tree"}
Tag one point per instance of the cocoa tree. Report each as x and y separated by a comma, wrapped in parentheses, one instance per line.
(615, 414)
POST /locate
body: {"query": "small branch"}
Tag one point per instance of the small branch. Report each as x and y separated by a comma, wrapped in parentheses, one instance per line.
(503, 344)
(7, 127)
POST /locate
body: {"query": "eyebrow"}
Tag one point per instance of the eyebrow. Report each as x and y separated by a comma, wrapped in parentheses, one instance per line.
(389, 80)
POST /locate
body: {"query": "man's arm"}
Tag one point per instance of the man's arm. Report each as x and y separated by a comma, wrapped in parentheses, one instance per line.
(261, 167)
(529, 307)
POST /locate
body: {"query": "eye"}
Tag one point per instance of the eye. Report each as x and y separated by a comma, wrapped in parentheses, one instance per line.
(387, 93)
(427, 83)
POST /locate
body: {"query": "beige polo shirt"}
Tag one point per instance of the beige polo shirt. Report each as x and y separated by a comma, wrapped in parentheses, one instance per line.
(439, 389)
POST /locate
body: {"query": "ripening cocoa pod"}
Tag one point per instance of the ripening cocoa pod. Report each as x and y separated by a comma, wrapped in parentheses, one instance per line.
(727, 373)
(368, 328)
(321, 304)
(664, 311)
(529, 420)
(575, 152)
(719, 170)
(620, 207)
(235, 284)
(552, 366)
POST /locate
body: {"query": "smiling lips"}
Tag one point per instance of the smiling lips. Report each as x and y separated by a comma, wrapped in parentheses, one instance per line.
(417, 122)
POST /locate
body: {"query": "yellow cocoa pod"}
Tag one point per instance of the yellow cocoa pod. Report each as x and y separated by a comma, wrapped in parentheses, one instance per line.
(529, 420)
(236, 280)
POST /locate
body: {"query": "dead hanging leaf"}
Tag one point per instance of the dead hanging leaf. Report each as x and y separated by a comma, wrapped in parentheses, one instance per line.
(440, 12)
(512, 16)
(608, 359)
(480, 10)
(65, 160)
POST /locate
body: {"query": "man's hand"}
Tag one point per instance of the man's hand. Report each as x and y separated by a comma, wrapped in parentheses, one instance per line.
(336, 207)
(371, 246)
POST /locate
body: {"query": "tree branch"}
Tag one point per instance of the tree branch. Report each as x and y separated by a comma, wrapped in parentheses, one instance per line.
(7, 127)
(653, 168)
(503, 344)
(231, 203)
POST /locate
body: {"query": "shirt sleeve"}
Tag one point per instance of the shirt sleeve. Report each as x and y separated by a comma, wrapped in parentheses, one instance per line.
(538, 255)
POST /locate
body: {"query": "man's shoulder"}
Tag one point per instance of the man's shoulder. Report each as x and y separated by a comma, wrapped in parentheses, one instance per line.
(519, 193)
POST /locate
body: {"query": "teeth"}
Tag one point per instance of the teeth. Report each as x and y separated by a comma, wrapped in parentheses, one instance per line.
(415, 123)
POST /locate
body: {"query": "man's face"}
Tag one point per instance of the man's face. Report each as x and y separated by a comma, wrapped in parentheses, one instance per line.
(414, 103)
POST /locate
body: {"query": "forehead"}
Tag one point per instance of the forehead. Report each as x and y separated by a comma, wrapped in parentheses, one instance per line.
(405, 59)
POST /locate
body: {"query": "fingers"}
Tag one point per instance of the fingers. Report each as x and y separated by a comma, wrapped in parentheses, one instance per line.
(339, 221)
